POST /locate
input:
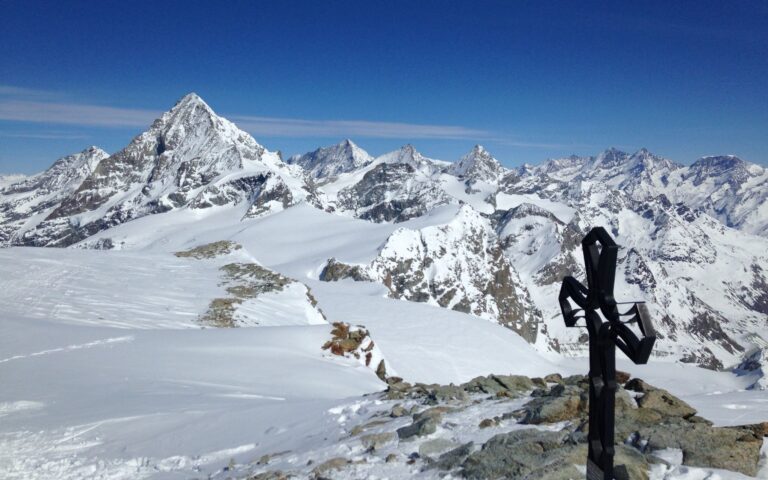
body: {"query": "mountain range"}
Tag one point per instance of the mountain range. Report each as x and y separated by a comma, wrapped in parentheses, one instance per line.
(499, 240)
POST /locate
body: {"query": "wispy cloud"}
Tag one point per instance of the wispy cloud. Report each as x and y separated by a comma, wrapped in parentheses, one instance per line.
(101, 116)
(28, 93)
(75, 114)
(44, 136)
(294, 127)
(26, 105)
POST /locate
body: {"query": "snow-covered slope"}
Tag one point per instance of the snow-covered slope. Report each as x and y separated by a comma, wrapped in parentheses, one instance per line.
(8, 179)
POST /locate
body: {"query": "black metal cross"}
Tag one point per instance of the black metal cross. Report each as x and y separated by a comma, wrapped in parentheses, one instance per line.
(600, 262)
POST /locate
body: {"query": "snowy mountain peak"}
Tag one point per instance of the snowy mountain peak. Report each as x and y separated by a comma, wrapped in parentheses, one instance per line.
(332, 161)
(477, 165)
(408, 155)
(610, 158)
(188, 158)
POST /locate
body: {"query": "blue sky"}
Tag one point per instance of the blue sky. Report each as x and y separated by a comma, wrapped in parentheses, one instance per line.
(529, 80)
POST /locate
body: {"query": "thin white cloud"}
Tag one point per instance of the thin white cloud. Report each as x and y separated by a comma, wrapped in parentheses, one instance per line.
(23, 92)
(75, 114)
(44, 136)
(101, 116)
(294, 127)
(17, 104)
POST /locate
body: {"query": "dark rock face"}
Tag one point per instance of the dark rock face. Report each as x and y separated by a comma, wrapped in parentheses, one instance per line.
(391, 192)
(335, 271)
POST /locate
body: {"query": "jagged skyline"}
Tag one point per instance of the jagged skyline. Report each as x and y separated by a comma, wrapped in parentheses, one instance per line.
(528, 81)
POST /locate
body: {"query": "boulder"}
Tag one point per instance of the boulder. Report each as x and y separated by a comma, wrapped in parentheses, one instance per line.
(419, 428)
(728, 448)
(376, 441)
(519, 454)
(329, 465)
(436, 446)
(665, 403)
(453, 458)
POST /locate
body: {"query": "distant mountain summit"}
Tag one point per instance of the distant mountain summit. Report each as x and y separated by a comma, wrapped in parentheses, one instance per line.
(477, 166)
(332, 161)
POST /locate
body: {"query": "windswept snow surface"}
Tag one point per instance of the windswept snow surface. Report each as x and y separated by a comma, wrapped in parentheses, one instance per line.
(107, 374)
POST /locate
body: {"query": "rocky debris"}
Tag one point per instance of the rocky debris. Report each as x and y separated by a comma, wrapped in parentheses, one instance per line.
(243, 281)
(656, 420)
(351, 341)
(509, 386)
(443, 437)
(495, 384)
(210, 250)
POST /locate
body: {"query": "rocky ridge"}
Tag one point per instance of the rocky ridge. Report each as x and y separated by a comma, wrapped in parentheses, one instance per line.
(502, 426)
(459, 265)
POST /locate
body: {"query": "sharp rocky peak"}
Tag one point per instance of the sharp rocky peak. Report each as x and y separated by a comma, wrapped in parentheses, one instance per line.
(330, 161)
(477, 165)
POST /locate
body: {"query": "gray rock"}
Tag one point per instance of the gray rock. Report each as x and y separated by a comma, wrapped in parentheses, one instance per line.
(453, 458)
(436, 446)
(735, 449)
(554, 378)
(329, 465)
(564, 405)
(398, 411)
(376, 441)
(665, 403)
(516, 454)
(419, 428)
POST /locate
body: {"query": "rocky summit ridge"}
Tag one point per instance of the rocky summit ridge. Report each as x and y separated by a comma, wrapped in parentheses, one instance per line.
(512, 236)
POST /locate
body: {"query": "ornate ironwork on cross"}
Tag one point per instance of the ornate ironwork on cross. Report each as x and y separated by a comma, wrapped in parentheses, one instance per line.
(600, 253)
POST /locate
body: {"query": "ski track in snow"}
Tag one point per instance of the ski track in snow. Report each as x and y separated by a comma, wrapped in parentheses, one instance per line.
(70, 348)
